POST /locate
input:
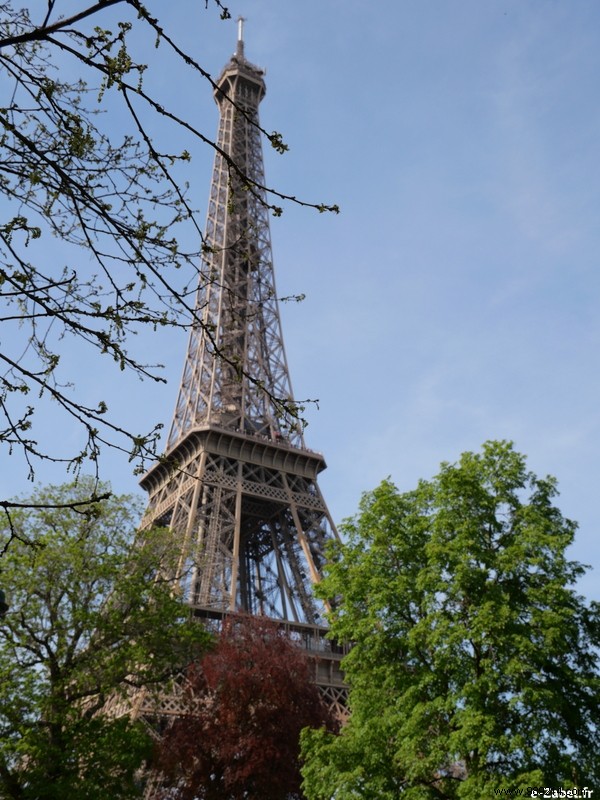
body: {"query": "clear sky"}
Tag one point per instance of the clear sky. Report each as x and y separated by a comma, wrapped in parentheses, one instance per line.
(455, 298)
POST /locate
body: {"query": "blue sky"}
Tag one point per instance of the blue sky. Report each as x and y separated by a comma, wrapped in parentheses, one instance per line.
(455, 298)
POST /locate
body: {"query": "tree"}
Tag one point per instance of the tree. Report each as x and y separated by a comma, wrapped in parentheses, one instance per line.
(475, 663)
(248, 701)
(110, 189)
(87, 622)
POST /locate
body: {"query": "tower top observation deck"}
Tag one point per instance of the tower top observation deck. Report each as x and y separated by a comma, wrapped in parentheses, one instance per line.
(239, 67)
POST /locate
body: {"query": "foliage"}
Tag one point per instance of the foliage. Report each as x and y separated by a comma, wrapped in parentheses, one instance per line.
(248, 701)
(475, 663)
(87, 621)
(95, 222)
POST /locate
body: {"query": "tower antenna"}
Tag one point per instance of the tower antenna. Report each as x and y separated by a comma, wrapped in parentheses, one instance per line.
(240, 39)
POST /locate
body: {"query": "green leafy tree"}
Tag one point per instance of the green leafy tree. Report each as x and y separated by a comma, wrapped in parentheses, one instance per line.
(475, 663)
(88, 622)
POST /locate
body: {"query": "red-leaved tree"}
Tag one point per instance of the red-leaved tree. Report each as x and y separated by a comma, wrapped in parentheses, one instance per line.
(249, 698)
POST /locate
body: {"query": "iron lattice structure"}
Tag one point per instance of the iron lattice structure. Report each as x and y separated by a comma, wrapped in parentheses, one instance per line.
(238, 486)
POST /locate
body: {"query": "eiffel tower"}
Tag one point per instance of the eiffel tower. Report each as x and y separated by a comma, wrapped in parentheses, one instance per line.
(237, 484)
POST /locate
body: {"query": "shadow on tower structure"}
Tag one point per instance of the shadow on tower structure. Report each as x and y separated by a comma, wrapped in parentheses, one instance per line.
(237, 485)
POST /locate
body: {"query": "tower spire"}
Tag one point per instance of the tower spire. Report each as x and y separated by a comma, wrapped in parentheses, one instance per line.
(240, 38)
